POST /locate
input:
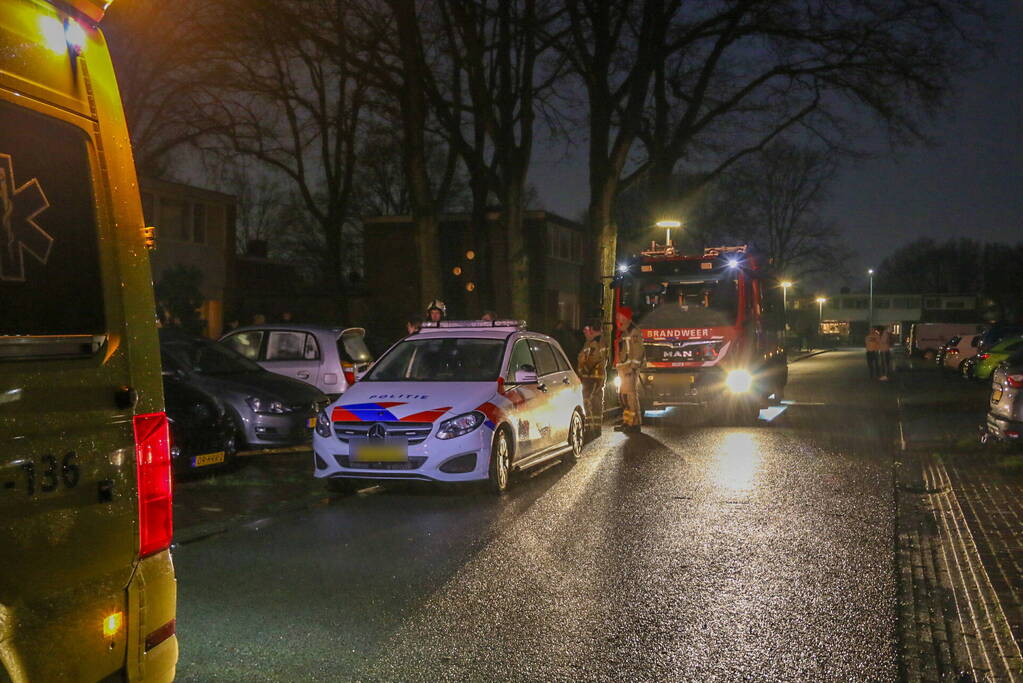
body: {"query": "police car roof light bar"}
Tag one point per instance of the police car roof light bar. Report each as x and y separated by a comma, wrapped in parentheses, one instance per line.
(446, 324)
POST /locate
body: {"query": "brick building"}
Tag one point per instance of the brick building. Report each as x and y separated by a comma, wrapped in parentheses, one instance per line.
(474, 278)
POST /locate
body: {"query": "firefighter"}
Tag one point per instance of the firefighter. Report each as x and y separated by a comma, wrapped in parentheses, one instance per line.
(436, 311)
(630, 360)
(592, 367)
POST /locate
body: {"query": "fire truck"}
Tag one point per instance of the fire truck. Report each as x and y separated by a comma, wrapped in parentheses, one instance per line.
(712, 324)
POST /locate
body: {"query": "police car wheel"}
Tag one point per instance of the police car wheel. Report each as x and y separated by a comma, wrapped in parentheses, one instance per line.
(576, 438)
(500, 463)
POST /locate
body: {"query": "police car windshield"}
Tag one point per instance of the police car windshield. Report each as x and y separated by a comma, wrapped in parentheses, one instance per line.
(687, 303)
(440, 360)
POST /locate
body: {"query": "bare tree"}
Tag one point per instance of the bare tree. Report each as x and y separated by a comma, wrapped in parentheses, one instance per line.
(773, 200)
(280, 89)
(708, 83)
(152, 44)
(613, 49)
(487, 91)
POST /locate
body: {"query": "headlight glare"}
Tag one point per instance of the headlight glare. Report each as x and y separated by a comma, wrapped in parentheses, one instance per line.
(739, 381)
(460, 425)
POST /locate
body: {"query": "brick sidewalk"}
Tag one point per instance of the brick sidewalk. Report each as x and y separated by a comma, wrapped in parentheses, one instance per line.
(992, 505)
(960, 537)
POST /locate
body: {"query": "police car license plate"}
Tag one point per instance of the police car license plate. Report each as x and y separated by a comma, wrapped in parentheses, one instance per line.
(385, 452)
(208, 459)
(996, 394)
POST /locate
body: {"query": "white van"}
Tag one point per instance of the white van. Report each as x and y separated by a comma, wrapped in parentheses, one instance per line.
(926, 338)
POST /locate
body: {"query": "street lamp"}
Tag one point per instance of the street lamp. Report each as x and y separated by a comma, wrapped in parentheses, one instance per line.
(785, 307)
(668, 224)
(870, 305)
(820, 317)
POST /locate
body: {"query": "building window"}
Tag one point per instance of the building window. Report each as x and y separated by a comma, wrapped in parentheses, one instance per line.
(175, 223)
(216, 219)
(882, 302)
(932, 302)
(955, 303)
(199, 223)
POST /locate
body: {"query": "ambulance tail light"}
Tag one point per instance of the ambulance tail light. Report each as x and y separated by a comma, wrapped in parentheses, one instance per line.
(349, 371)
(153, 472)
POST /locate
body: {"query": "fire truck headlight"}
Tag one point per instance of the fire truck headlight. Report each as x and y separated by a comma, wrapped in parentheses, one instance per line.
(739, 381)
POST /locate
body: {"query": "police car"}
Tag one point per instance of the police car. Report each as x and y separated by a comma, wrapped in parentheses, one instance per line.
(460, 401)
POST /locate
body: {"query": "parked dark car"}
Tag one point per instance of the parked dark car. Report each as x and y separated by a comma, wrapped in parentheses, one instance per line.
(997, 333)
(202, 435)
(1005, 407)
(266, 409)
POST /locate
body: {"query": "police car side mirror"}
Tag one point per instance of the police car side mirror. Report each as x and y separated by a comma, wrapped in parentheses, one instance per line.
(526, 374)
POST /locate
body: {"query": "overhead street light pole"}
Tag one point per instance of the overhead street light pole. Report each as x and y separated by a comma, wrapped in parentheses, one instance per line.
(870, 305)
(820, 318)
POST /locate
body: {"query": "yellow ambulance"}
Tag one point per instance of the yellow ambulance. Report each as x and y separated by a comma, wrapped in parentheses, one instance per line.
(87, 587)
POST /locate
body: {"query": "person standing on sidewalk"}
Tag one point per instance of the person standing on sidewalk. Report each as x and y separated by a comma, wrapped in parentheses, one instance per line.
(630, 360)
(884, 352)
(873, 344)
(591, 365)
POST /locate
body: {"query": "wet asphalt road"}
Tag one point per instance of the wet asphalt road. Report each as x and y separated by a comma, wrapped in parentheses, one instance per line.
(692, 552)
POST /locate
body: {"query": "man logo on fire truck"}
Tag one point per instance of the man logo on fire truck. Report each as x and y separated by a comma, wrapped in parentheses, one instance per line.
(712, 327)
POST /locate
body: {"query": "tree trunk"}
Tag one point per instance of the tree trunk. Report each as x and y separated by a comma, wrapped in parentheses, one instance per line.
(335, 277)
(479, 241)
(413, 118)
(518, 251)
(604, 229)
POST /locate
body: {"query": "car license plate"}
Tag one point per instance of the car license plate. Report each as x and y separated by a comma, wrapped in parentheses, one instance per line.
(385, 452)
(208, 459)
(311, 423)
(996, 394)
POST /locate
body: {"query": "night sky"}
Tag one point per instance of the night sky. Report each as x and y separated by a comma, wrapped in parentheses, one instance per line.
(969, 185)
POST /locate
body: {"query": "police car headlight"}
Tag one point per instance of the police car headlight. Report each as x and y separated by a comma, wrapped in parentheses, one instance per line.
(618, 382)
(265, 407)
(323, 425)
(739, 381)
(460, 425)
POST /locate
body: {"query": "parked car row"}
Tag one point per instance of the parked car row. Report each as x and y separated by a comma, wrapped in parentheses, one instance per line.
(463, 401)
(996, 356)
(256, 388)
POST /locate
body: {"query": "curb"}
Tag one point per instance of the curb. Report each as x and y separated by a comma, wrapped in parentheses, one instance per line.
(201, 531)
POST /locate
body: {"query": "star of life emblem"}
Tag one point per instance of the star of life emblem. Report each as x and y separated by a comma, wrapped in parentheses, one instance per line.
(19, 233)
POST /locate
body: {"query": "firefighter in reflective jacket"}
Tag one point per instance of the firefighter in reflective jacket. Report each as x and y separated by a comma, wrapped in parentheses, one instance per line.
(630, 360)
(592, 367)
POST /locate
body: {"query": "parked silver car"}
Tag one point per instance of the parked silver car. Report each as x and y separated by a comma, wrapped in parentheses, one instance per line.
(1005, 413)
(329, 358)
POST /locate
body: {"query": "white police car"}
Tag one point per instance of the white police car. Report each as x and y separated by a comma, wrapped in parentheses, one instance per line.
(460, 401)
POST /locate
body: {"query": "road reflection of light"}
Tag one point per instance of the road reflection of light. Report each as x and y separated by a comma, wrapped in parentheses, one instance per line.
(738, 459)
(771, 412)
